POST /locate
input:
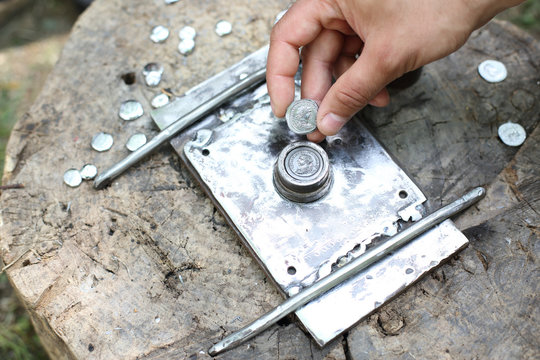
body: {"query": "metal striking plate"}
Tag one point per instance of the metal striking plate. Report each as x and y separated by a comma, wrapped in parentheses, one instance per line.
(233, 158)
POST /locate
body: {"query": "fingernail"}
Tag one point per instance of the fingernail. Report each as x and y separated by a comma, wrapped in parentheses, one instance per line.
(332, 123)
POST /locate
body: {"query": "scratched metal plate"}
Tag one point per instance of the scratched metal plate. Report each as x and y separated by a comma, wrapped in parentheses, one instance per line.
(297, 244)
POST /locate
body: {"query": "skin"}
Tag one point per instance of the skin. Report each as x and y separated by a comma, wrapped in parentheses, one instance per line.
(391, 37)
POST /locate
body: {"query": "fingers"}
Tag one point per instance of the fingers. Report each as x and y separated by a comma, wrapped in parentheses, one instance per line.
(318, 62)
(363, 82)
(299, 26)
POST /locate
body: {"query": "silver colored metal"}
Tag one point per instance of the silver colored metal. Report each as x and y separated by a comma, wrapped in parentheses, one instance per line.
(168, 2)
(130, 110)
(223, 28)
(186, 46)
(72, 178)
(152, 74)
(159, 34)
(88, 172)
(492, 71)
(209, 89)
(341, 275)
(136, 141)
(160, 100)
(302, 116)
(181, 123)
(302, 172)
(187, 32)
(512, 134)
(102, 141)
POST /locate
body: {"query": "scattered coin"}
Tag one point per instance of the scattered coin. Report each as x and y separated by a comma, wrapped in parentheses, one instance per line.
(492, 71)
(223, 28)
(72, 178)
(159, 34)
(186, 46)
(302, 116)
(160, 100)
(152, 74)
(88, 172)
(168, 2)
(130, 110)
(187, 32)
(102, 141)
(136, 141)
(512, 134)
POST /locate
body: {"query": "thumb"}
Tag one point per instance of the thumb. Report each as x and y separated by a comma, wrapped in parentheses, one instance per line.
(361, 84)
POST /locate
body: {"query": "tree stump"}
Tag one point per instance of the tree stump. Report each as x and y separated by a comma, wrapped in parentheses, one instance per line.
(147, 268)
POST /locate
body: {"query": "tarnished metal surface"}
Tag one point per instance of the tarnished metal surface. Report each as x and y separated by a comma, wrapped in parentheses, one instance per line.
(232, 152)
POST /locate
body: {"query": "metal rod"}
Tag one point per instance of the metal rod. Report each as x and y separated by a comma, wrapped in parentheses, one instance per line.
(105, 178)
(341, 275)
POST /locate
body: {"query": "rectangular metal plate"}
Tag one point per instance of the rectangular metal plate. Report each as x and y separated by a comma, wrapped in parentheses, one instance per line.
(234, 161)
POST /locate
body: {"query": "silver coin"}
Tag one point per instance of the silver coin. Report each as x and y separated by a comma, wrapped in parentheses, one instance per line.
(186, 46)
(88, 172)
(102, 141)
(223, 28)
(168, 2)
(303, 163)
(130, 110)
(159, 34)
(512, 134)
(136, 141)
(302, 116)
(492, 71)
(160, 100)
(187, 32)
(152, 74)
(72, 178)
(279, 16)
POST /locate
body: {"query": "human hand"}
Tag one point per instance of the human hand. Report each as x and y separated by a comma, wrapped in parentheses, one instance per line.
(391, 37)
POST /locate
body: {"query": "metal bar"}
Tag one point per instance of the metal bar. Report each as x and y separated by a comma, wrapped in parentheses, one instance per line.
(341, 275)
(105, 178)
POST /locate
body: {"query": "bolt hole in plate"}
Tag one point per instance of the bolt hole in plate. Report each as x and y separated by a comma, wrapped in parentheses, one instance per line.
(361, 206)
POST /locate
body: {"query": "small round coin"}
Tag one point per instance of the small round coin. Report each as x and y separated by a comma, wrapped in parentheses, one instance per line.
(492, 71)
(186, 46)
(512, 134)
(72, 178)
(152, 74)
(187, 32)
(136, 141)
(160, 100)
(303, 163)
(223, 28)
(159, 34)
(130, 110)
(102, 141)
(302, 116)
(88, 172)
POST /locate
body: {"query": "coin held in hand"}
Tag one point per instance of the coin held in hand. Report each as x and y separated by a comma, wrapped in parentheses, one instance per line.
(301, 116)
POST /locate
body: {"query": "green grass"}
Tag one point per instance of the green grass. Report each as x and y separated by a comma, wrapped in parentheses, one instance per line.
(18, 341)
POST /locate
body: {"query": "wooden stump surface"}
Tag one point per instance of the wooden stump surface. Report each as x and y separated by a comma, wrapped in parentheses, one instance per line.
(147, 268)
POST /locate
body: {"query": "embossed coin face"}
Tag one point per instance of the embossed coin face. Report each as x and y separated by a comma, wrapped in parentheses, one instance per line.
(303, 163)
(102, 141)
(187, 32)
(88, 172)
(136, 141)
(160, 100)
(302, 116)
(72, 178)
(186, 46)
(130, 110)
(492, 71)
(159, 34)
(512, 134)
(223, 28)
